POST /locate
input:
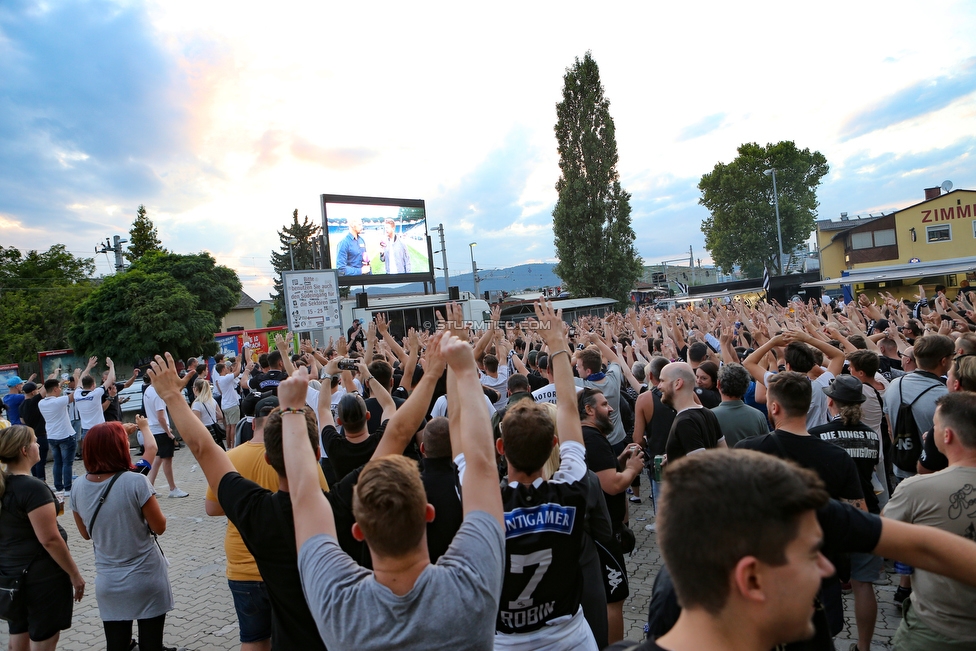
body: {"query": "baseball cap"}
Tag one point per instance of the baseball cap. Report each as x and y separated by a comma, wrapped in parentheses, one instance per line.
(265, 406)
(29, 386)
(845, 388)
(14, 381)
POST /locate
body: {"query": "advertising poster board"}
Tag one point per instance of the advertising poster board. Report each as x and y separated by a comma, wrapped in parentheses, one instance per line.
(261, 340)
(64, 361)
(7, 371)
(312, 302)
(229, 342)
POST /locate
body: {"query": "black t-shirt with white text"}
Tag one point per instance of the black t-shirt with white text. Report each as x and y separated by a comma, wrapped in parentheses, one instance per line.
(268, 381)
(863, 445)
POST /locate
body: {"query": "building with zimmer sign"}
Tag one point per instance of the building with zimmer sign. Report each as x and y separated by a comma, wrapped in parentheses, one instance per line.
(930, 243)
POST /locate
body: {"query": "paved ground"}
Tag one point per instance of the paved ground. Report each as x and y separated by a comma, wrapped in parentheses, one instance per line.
(204, 616)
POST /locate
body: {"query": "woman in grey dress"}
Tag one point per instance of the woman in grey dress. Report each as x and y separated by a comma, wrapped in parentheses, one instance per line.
(132, 582)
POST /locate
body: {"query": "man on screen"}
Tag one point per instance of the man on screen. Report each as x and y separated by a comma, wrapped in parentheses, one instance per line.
(393, 250)
(351, 256)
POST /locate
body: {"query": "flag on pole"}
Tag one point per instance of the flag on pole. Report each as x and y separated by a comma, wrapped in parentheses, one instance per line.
(765, 279)
(682, 288)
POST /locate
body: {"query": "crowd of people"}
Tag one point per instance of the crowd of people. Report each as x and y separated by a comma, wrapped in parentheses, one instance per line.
(470, 487)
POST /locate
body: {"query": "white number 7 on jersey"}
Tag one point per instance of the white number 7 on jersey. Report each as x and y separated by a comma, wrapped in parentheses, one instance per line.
(519, 562)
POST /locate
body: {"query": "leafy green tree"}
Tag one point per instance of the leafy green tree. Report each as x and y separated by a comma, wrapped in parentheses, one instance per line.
(591, 221)
(304, 233)
(216, 287)
(143, 238)
(741, 229)
(39, 292)
(165, 302)
(135, 315)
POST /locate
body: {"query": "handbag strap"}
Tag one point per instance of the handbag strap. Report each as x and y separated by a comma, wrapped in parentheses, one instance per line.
(101, 500)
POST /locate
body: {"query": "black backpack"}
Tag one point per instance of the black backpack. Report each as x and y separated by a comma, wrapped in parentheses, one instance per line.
(907, 440)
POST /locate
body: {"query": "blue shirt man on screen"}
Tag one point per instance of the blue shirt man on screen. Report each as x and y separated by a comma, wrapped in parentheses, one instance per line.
(351, 256)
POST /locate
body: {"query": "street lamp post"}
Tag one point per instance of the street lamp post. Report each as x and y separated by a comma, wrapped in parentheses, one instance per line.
(779, 232)
(292, 242)
(474, 269)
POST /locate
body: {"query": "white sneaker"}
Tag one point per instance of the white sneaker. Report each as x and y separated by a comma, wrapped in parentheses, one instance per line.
(176, 492)
(651, 527)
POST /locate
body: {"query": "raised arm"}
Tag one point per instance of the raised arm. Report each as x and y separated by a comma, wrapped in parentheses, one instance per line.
(285, 351)
(301, 469)
(751, 363)
(324, 408)
(836, 355)
(480, 483)
(406, 420)
(489, 335)
(413, 344)
(110, 378)
(551, 330)
(211, 457)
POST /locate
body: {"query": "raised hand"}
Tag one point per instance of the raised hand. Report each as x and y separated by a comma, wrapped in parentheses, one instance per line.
(165, 379)
(434, 360)
(291, 392)
(382, 325)
(458, 354)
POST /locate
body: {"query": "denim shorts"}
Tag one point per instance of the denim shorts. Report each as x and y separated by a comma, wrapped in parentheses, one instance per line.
(253, 608)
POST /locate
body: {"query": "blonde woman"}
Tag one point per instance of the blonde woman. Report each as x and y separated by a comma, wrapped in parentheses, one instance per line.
(31, 540)
(205, 408)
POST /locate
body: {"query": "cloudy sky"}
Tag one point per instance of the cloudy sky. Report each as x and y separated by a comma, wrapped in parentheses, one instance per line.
(223, 117)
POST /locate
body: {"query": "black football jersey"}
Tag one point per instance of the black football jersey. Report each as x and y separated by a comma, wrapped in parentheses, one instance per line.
(543, 537)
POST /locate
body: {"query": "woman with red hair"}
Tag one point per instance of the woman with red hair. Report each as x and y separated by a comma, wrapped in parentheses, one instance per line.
(117, 509)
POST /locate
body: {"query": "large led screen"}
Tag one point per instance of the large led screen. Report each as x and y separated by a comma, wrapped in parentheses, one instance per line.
(374, 240)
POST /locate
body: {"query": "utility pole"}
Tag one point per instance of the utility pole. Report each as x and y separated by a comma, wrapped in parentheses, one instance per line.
(447, 277)
(115, 246)
(474, 269)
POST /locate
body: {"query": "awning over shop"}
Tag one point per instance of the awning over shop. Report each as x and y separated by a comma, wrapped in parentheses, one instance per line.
(725, 293)
(900, 272)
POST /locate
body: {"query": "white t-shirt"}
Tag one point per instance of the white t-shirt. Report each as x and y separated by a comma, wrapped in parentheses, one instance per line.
(226, 387)
(499, 384)
(440, 407)
(152, 404)
(207, 411)
(55, 412)
(90, 407)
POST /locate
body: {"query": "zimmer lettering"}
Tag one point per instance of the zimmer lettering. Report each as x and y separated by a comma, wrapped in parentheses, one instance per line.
(948, 214)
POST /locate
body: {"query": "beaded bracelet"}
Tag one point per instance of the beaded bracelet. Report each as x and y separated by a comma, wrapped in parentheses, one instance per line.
(290, 410)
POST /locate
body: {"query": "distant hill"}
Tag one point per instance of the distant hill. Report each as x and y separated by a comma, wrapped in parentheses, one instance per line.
(510, 279)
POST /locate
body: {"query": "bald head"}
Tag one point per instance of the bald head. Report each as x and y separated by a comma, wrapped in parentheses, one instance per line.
(679, 371)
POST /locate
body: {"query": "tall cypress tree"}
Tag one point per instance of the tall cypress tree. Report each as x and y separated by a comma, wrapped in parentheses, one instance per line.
(591, 220)
(143, 237)
(304, 232)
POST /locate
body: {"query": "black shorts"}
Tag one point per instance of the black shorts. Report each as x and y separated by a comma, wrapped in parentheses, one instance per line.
(165, 445)
(614, 571)
(44, 606)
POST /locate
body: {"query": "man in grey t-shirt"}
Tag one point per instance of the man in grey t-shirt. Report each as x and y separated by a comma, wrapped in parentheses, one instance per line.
(588, 365)
(448, 605)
